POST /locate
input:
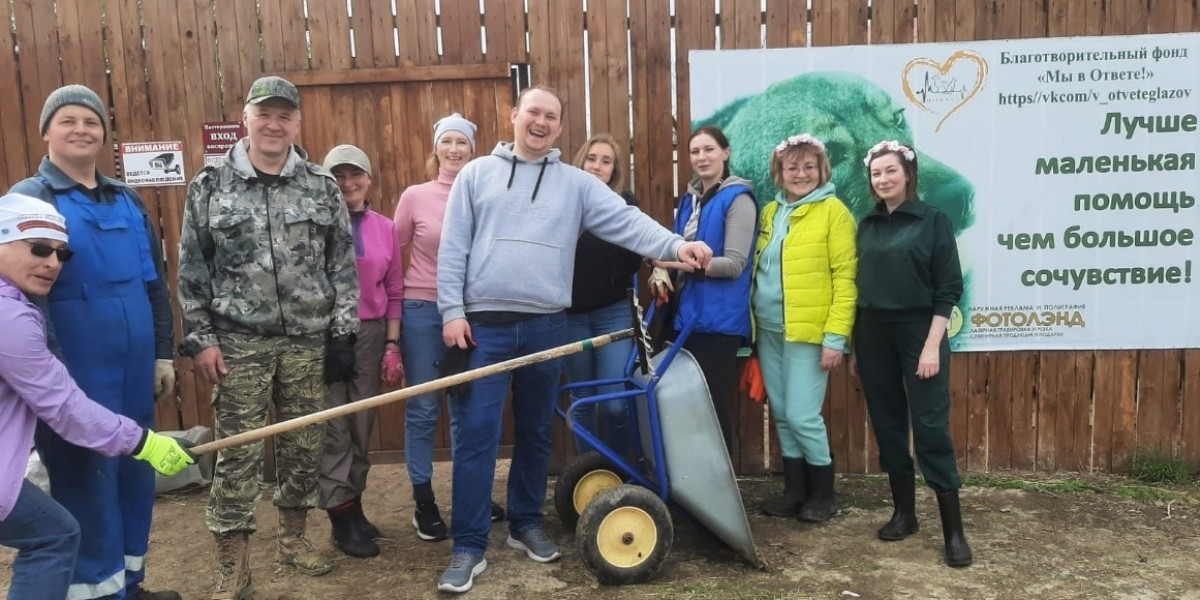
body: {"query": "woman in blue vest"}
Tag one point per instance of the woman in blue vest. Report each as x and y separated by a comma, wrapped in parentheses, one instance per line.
(719, 209)
(111, 313)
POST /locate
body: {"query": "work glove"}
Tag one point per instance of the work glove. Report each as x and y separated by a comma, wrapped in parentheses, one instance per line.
(340, 363)
(165, 453)
(752, 383)
(660, 285)
(456, 360)
(164, 376)
(391, 371)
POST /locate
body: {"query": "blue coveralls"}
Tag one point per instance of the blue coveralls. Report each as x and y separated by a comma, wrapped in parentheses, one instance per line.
(101, 314)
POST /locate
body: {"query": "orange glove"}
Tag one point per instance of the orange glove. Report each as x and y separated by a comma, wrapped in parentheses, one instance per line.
(752, 380)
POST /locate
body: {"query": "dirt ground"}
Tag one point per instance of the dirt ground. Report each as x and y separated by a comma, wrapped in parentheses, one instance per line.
(1027, 545)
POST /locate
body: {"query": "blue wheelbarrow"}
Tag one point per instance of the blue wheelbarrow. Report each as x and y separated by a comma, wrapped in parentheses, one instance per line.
(618, 505)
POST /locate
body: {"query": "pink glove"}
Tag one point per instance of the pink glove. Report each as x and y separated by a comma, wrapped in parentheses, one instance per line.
(391, 371)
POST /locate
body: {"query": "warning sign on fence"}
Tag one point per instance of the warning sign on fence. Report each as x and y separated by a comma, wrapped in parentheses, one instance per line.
(153, 163)
(219, 137)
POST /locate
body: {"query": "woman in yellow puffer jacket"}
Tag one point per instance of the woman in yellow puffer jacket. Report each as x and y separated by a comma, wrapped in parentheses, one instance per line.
(803, 306)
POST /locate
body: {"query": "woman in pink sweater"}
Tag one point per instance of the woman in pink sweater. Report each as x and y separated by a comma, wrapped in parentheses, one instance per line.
(344, 461)
(419, 215)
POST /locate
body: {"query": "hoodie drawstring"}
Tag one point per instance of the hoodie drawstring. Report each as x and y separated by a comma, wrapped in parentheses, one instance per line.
(512, 173)
(538, 185)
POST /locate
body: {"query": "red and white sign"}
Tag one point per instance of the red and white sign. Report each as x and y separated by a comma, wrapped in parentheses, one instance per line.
(219, 137)
(153, 163)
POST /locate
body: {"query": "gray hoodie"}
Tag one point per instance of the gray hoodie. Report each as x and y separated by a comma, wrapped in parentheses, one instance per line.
(508, 242)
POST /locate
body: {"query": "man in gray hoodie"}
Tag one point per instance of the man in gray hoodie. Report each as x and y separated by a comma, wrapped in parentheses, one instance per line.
(505, 267)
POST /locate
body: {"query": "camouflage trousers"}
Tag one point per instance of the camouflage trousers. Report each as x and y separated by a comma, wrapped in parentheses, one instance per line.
(286, 373)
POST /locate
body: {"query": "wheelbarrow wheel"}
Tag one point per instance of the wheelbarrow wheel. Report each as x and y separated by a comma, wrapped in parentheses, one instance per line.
(624, 535)
(580, 482)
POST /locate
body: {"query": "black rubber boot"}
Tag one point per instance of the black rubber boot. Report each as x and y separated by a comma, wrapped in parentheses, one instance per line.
(904, 514)
(348, 536)
(795, 489)
(958, 553)
(818, 507)
(368, 528)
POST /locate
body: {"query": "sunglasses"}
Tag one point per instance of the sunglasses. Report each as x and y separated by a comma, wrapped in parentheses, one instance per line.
(45, 250)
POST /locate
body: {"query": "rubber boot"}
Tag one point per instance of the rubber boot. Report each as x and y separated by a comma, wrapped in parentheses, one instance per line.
(368, 528)
(293, 548)
(794, 490)
(904, 512)
(348, 534)
(233, 560)
(958, 553)
(140, 593)
(818, 507)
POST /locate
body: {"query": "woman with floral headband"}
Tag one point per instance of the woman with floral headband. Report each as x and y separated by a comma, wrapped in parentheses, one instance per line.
(909, 280)
(803, 302)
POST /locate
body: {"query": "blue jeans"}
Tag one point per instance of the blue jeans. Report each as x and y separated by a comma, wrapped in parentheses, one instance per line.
(422, 346)
(606, 362)
(480, 415)
(46, 538)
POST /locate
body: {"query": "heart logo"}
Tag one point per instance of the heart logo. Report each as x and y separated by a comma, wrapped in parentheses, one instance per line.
(943, 88)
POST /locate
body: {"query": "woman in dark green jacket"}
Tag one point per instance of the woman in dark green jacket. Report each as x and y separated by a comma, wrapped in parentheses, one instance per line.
(909, 280)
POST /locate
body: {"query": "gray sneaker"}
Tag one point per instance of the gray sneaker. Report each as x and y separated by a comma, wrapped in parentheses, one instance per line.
(535, 543)
(460, 575)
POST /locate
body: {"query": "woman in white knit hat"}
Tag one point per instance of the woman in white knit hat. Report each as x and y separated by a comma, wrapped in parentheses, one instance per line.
(35, 387)
(111, 314)
(418, 218)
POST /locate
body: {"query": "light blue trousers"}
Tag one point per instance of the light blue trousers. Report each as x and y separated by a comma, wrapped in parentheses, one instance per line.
(796, 391)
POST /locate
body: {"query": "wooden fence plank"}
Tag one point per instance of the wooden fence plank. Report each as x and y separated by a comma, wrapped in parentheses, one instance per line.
(695, 29)
(340, 47)
(1104, 374)
(978, 427)
(1172, 408)
(822, 22)
(741, 24)
(1067, 454)
(464, 27)
(597, 39)
(37, 64)
(836, 424)
(1048, 398)
(16, 165)
(960, 393)
(786, 23)
(883, 28)
(274, 55)
(1085, 414)
(999, 400)
(1149, 401)
(1124, 409)
(1190, 410)
(1024, 409)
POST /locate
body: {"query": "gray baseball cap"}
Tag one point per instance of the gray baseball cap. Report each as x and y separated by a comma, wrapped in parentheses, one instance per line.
(268, 87)
(346, 154)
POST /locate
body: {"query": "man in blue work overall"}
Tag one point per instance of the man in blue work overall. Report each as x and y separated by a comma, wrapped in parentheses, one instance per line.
(110, 311)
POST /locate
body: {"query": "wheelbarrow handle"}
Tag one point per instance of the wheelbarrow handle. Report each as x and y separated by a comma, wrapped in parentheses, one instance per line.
(255, 435)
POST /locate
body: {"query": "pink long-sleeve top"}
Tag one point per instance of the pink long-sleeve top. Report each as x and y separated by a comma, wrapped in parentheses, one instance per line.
(419, 216)
(34, 386)
(380, 266)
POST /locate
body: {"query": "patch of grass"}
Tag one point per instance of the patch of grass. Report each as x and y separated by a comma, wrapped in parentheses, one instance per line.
(1071, 485)
(1155, 467)
(1143, 493)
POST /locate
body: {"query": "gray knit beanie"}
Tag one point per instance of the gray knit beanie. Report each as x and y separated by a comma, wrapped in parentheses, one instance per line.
(73, 94)
(454, 122)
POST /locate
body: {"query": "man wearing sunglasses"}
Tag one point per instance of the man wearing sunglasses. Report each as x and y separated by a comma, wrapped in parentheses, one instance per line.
(35, 387)
(110, 311)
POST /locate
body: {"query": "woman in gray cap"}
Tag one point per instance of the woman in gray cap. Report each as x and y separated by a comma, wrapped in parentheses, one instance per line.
(419, 215)
(344, 463)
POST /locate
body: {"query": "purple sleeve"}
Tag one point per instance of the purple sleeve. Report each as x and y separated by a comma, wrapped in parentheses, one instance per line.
(393, 279)
(42, 382)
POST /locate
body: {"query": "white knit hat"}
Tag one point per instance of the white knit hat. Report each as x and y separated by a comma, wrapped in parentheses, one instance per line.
(454, 122)
(25, 217)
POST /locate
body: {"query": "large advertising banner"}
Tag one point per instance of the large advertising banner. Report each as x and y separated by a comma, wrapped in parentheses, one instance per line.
(1067, 166)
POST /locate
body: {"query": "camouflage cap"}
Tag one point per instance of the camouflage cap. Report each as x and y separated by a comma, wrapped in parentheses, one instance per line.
(265, 88)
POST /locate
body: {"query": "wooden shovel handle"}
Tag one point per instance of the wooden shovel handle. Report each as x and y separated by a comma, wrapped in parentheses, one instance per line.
(255, 435)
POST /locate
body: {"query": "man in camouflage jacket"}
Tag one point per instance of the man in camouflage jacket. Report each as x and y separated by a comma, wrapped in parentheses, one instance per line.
(269, 294)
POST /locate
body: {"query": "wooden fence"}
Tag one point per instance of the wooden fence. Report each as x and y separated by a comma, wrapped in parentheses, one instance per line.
(166, 66)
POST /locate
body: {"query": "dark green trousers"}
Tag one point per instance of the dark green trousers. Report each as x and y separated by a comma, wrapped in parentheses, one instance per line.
(887, 354)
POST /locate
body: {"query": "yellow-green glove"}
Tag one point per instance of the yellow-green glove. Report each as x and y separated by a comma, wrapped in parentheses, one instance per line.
(164, 453)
